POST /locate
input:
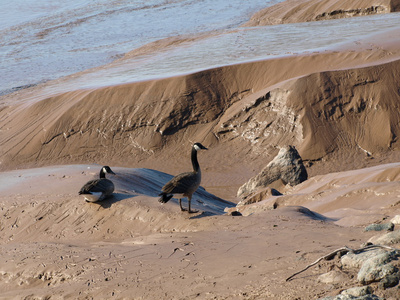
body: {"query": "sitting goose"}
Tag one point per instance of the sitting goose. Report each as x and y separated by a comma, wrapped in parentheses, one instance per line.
(185, 184)
(98, 189)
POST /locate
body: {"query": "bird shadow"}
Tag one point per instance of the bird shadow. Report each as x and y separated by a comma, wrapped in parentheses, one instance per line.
(114, 198)
(202, 214)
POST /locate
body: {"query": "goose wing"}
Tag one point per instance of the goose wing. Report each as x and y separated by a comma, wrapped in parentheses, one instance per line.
(98, 186)
(181, 184)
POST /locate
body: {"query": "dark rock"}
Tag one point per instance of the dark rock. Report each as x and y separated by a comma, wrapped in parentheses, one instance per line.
(380, 227)
(236, 213)
(390, 281)
(232, 211)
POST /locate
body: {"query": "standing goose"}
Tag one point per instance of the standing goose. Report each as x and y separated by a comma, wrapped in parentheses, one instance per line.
(98, 189)
(184, 184)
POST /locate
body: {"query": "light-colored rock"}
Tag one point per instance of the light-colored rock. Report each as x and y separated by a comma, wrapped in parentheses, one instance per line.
(349, 297)
(358, 291)
(386, 239)
(333, 276)
(287, 166)
(376, 268)
(351, 260)
(396, 220)
(373, 274)
(259, 195)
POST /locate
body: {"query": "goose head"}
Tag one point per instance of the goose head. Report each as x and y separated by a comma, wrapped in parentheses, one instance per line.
(107, 169)
(198, 146)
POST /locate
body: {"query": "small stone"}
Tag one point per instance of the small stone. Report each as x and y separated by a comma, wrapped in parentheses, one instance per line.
(396, 220)
(333, 276)
(259, 195)
(358, 291)
(232, 211)
(236, 213)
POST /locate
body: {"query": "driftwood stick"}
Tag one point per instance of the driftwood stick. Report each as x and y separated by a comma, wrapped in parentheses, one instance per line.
(342, 250)
(318, 260)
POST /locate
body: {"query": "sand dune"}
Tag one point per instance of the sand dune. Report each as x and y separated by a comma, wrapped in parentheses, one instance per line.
(296, 11)
(138, 124)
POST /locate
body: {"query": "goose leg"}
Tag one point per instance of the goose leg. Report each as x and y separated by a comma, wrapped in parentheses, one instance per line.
(189, 210)
(180, 204)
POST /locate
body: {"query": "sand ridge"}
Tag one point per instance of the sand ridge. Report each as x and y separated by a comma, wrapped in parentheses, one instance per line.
(296, 11)
(136, 123)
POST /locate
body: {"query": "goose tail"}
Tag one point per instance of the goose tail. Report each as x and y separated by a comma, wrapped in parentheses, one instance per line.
(164, 197)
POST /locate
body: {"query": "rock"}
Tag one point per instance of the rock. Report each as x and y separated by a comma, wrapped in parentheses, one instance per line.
(390, 281)
(259, 195)
(333, 276)
(230, 210)
(396, 220)
(235, 213)
(386, 239)
(287, 166)
(380, 227)
(358, 291)
(338, 297)
(351, 260)
(376, 268)
(349, 297)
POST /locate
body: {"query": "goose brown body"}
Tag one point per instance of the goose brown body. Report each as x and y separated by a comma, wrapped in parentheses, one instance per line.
(184, 184)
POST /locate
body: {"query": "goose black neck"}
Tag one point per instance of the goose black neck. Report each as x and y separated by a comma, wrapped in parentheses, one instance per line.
(195, 163)
(102, 174)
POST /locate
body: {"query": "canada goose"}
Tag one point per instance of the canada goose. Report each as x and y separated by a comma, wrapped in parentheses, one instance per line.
(98, 189)
(184, 184)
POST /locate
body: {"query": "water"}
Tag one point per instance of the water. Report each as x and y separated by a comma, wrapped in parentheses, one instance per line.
(42, 40)
(48, 40)
(242, 45)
